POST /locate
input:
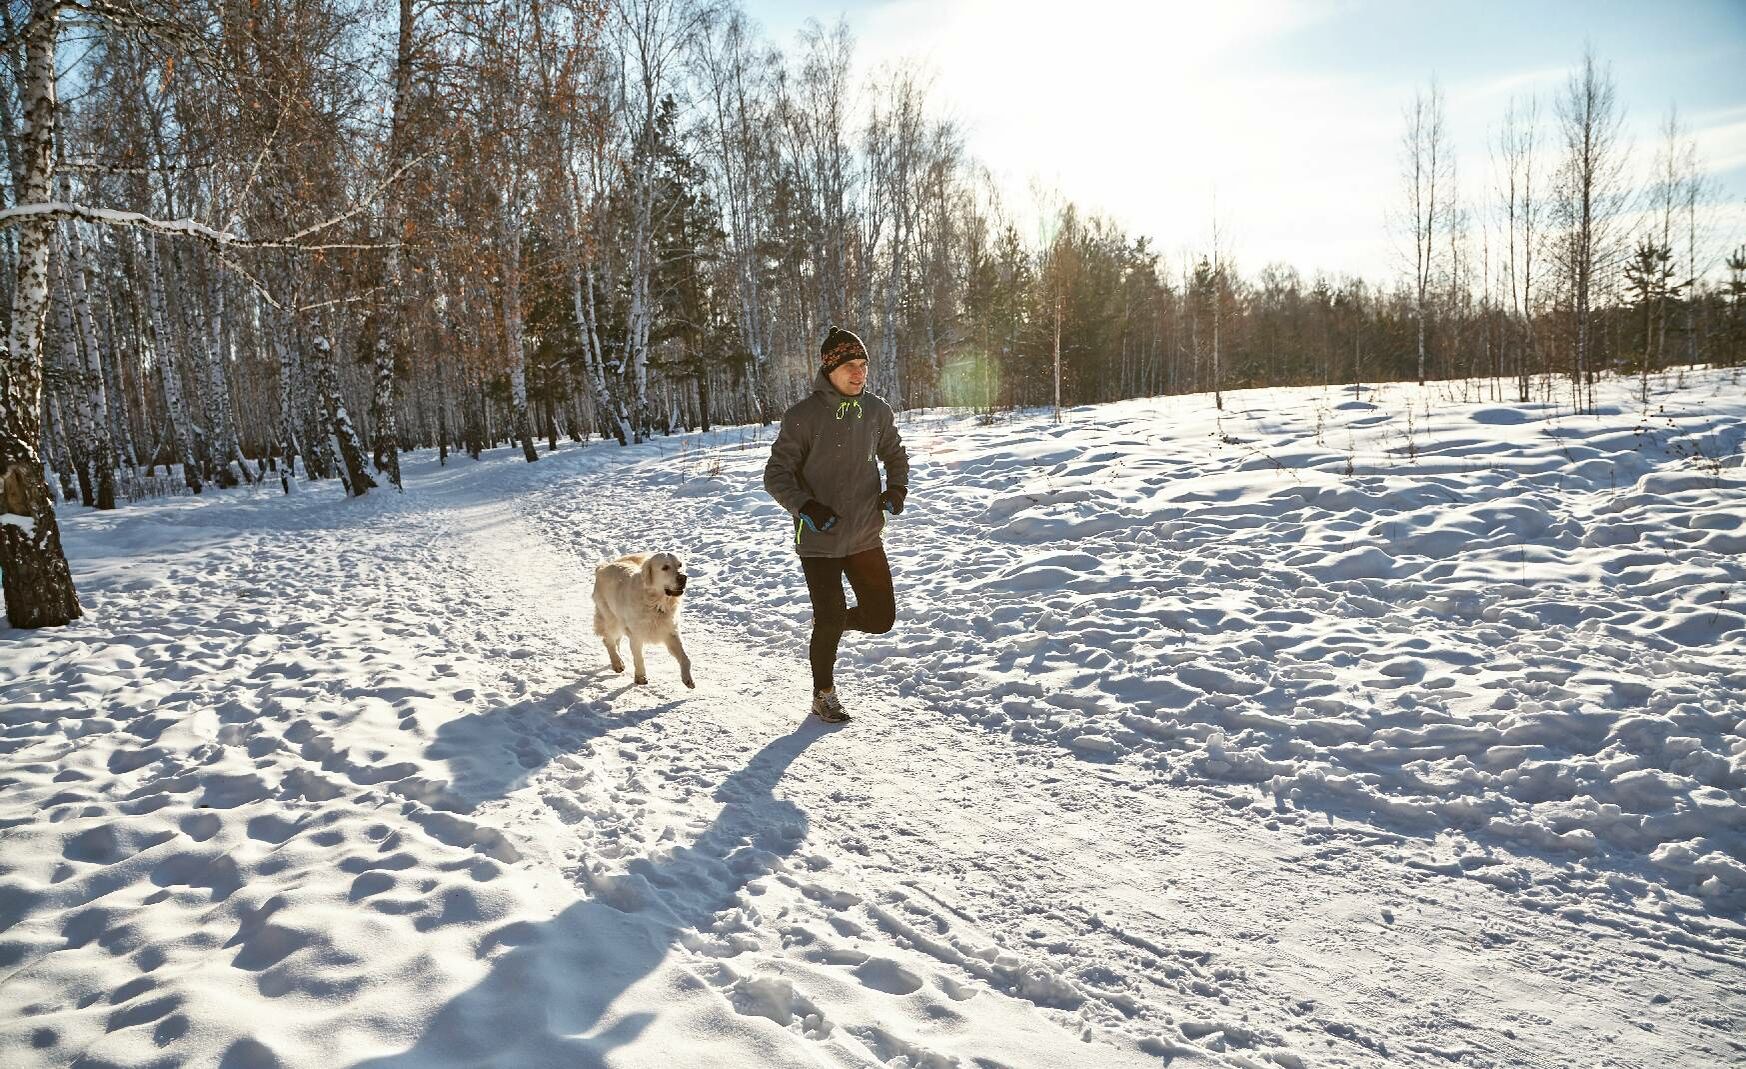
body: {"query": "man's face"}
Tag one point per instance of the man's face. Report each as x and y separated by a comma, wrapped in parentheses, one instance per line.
(849, 377)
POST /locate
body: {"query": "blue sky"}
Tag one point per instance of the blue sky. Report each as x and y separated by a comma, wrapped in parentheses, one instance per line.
(1289, 113)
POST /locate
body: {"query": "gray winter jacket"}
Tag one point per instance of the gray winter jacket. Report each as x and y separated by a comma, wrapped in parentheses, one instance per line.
(826, 452)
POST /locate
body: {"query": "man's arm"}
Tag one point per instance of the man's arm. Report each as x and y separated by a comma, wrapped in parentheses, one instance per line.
(892, 454)
(782, 470)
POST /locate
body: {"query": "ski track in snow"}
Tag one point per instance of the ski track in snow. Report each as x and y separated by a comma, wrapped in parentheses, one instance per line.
(1183, 752)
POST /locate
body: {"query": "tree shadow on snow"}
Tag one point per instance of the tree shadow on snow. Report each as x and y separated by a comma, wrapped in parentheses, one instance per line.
(551, 986)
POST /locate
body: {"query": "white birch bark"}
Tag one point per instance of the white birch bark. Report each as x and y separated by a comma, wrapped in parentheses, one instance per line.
(102, 445)
(738, 107)
(1592, 198)
(655, 30)
(391, 332)
(276, 332)
(114, 379)
(164, 357)
(79, 428)
(1519, 143)
(514, 345)
(38, 585)
(222, 437)
(342, 436)
(636, 344)
(1427, 160)
(608, 411)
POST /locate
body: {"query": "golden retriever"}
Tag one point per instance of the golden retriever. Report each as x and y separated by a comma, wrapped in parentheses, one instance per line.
(637, 597)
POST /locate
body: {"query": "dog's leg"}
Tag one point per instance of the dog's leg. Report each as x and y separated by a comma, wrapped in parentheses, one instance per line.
(636, 645)
(677, 649)
(606, 626)
(609, 634)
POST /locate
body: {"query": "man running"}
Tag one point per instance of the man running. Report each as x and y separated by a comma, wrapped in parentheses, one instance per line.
(824, 469)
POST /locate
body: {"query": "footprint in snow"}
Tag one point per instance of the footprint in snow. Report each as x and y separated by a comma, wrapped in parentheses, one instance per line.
(883, 974)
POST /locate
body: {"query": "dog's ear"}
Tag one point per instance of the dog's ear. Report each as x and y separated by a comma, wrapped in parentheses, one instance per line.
(649, 570)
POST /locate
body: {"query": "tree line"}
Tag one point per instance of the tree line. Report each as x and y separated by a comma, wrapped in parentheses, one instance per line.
(289, 239)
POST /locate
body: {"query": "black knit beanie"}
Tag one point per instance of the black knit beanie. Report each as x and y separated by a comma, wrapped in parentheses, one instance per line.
(840, 346)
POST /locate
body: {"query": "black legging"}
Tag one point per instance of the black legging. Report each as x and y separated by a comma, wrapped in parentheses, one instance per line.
(869, 573)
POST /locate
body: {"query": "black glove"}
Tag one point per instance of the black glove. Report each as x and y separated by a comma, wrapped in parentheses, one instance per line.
(892, 499)
(818, 516)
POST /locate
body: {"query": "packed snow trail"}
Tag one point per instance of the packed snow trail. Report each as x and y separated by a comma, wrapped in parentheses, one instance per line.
(349, 783)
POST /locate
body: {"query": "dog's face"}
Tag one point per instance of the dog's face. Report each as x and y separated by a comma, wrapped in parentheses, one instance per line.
(664, 573)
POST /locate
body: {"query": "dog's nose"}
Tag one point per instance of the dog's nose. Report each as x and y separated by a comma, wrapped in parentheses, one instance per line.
(683, 579)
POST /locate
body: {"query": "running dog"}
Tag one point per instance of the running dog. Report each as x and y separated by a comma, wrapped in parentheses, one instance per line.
(637, 596)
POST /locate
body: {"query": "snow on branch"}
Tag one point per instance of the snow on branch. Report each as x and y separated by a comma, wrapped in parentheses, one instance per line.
(86, 165)
(49, 211)
(126, 16)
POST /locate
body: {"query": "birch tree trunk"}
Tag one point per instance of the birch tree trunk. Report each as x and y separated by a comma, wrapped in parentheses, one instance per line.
(654, 30)
(222, 438)
(1593, 197)
(512, 332)
(1427, 164)
(97, 397)
(641, 265)
(121, 394)
(442, 412)
(728, 68)
(38, 585)
(54, 444)
(69, 362)
(1057, 348)
(116, 386)
(164, 350)
(341, 434)
(391, 329)
(608, 409)
(288, 418)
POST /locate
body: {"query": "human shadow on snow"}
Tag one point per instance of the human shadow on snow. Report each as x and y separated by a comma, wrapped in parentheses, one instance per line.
(551, 985)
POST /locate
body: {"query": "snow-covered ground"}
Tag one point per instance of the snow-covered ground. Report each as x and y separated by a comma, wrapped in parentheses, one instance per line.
(1338, 730)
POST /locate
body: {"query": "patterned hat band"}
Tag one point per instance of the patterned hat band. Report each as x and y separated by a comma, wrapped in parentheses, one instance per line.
(840, 346)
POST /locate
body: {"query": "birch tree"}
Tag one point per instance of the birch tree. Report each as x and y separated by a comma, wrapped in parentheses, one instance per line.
(579, 171)
(1591, 198)
(819, 166)
(38, 585)
(654, 34)
(1218, 313)
(736, 78)
(391, 334)
(894, 146)
(1426, 162)
(37, 582)
(95, 385)
(1651, 271)
(1693, 189)
(1523, 211)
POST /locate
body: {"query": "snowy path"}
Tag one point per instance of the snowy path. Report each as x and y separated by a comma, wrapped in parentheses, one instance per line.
(348, 783)
(1156, 910)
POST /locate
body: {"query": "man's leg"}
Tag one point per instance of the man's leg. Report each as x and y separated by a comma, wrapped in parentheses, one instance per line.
(824, 582)
(875, 602)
